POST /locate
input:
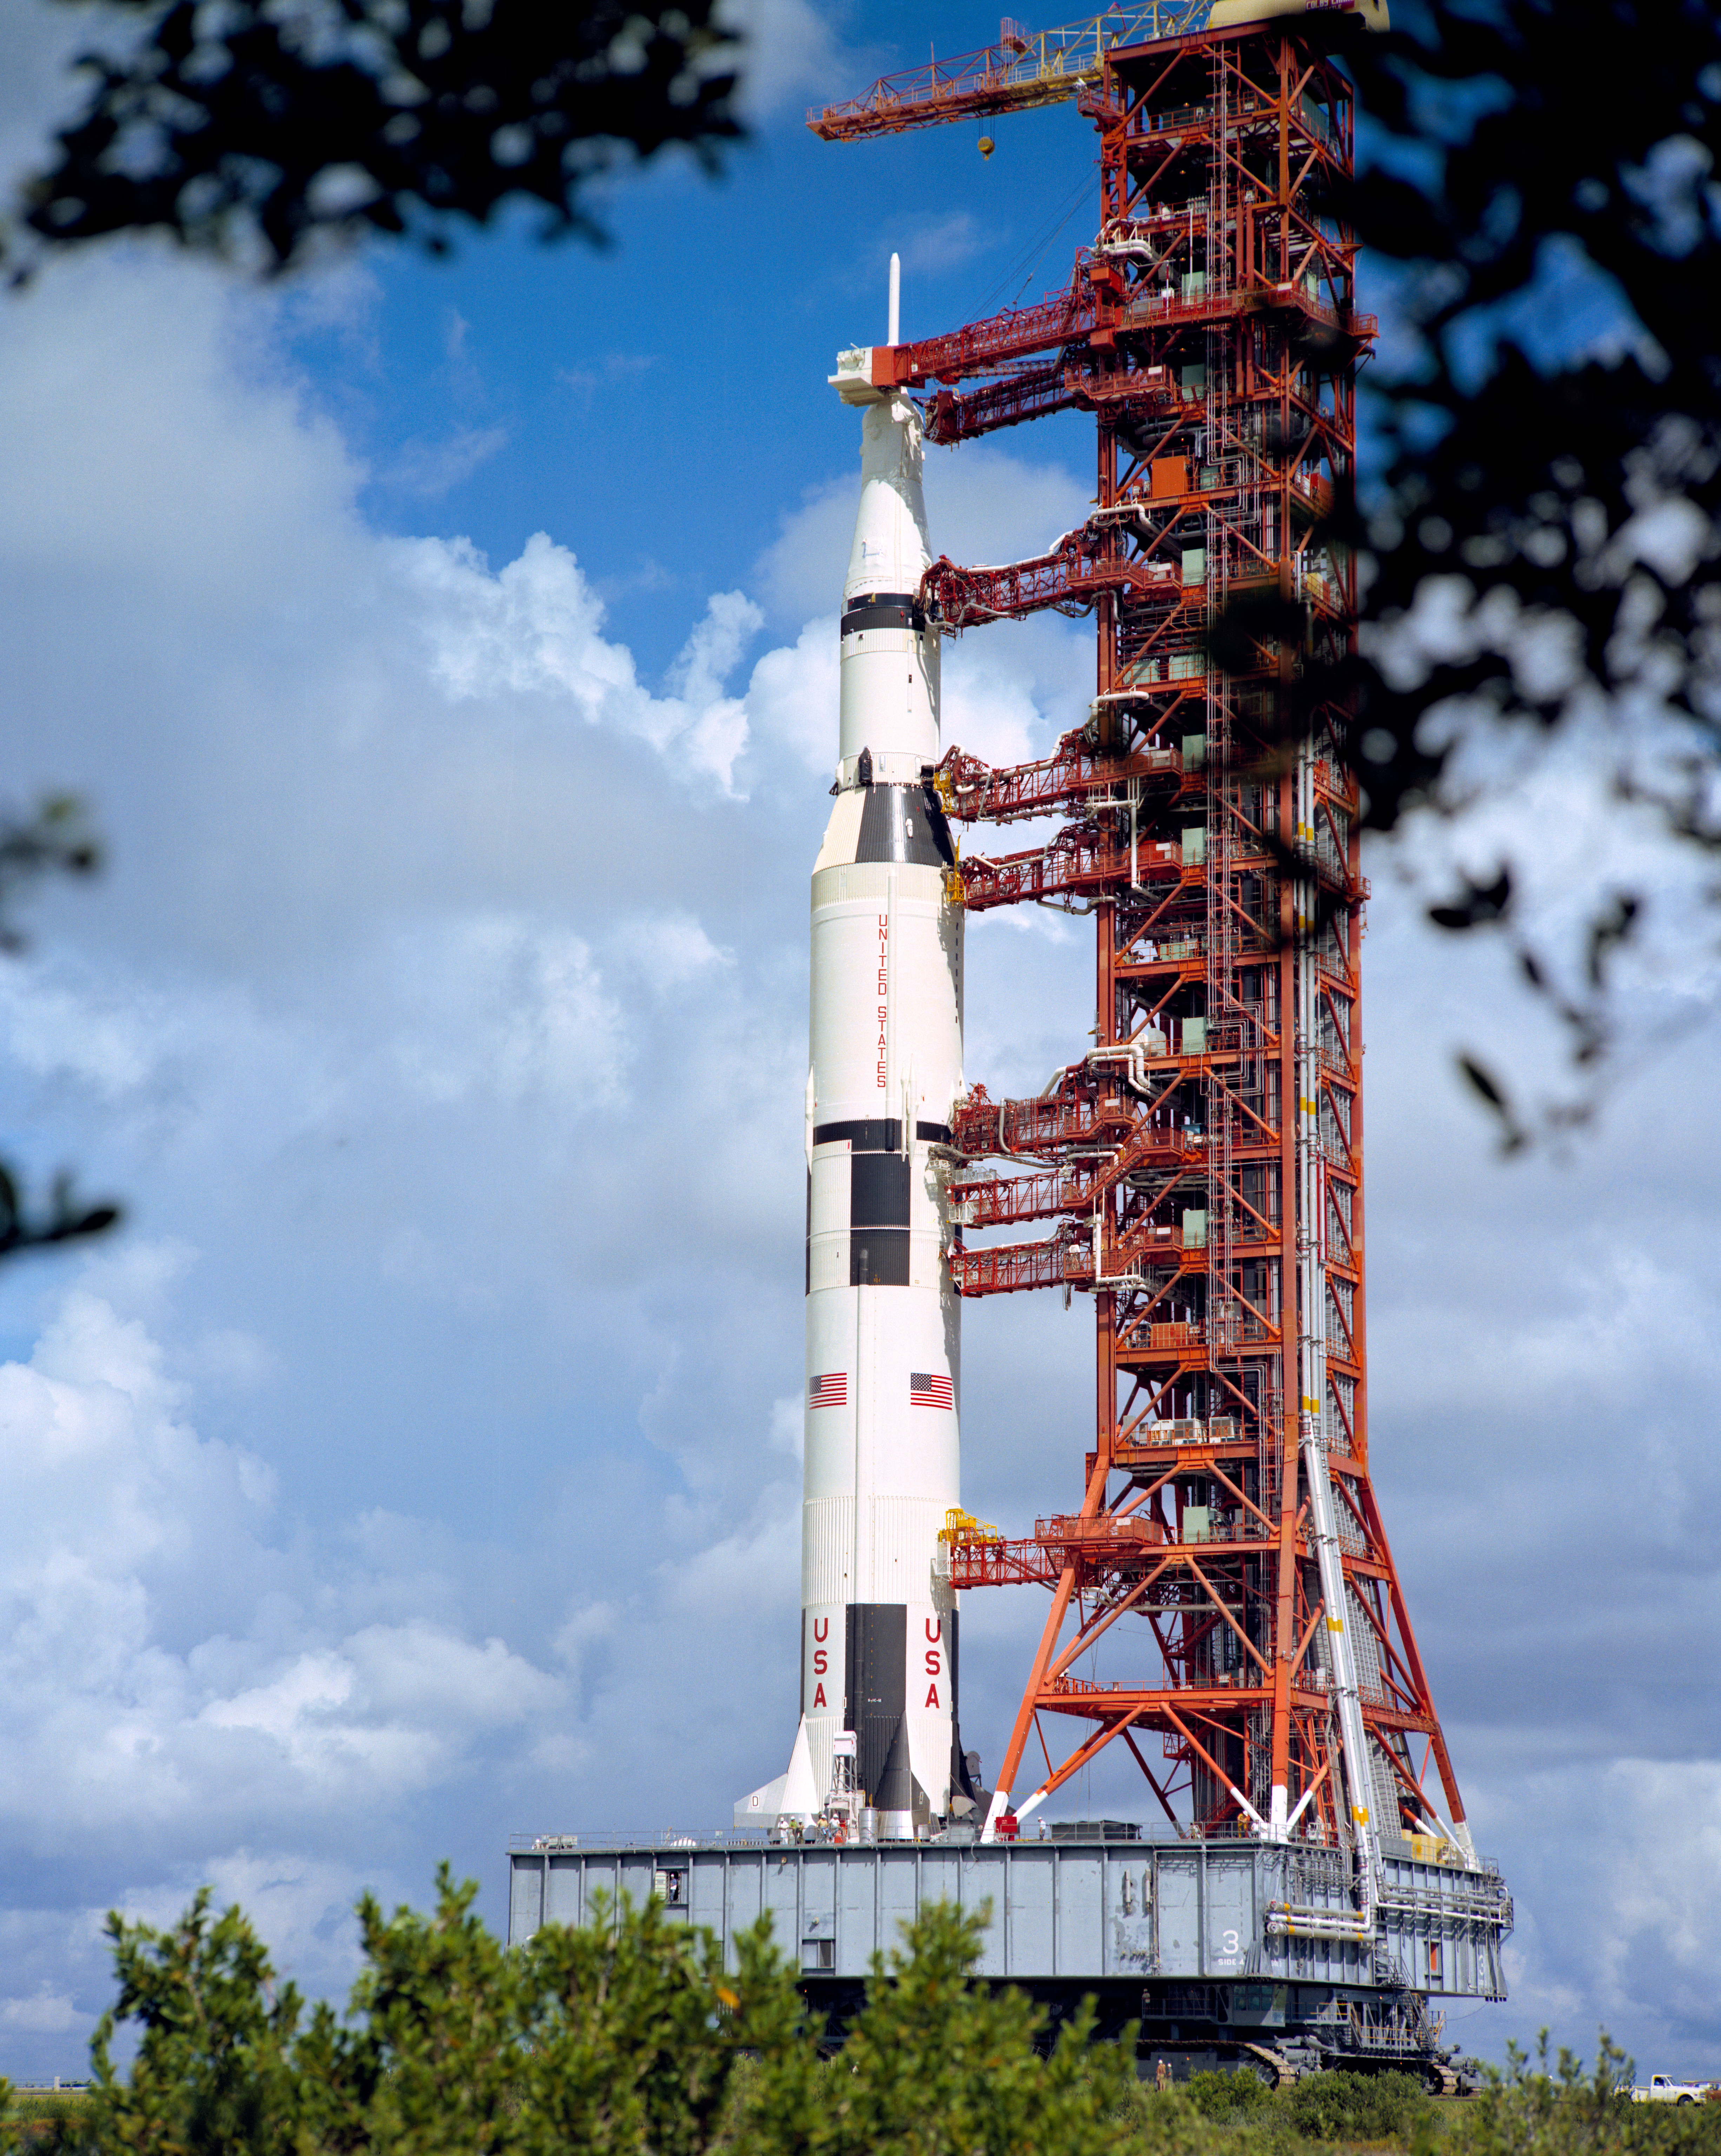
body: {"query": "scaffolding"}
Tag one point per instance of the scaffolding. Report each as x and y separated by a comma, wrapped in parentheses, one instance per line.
(1025, 69)
(1201, 1168)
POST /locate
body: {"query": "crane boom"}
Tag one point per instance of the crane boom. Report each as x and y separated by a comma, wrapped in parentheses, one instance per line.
(1025, 68)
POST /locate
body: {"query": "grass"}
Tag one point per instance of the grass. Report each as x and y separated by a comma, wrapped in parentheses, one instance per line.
(38, 2110)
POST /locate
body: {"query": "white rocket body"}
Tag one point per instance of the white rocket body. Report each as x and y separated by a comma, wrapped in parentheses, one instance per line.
(878, 1622)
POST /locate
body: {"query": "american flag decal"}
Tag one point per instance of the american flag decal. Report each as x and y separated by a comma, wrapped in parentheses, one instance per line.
(830, 1391)
(927, 1390)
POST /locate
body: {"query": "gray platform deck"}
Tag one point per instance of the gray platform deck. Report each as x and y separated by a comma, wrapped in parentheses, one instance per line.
(1096, 1912)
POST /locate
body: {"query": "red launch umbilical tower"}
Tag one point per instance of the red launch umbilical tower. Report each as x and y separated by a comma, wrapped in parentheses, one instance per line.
(1201, 1167)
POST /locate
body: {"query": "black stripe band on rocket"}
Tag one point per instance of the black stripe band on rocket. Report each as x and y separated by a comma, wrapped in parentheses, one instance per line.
(865, 1134)
(884, 610)
(878, 1134)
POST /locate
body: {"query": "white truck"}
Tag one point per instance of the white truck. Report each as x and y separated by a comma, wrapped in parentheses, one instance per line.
(1664, 2089)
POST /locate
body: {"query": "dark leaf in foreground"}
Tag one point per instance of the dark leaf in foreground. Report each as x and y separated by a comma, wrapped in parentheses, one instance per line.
(65, 1219)
(252, 121)
(1540, 542)
(57, 840)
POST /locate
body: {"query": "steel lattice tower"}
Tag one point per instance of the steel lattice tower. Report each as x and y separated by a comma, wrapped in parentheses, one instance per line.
(1201, 1168)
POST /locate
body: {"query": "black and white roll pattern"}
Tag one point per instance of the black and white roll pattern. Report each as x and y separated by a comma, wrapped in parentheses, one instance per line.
(883, 1367)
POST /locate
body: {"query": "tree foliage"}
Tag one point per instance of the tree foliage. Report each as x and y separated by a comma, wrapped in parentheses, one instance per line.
(1541, 542)
(623, 2037)
(1341, 2107)
(213, 2069)
(628, 2037)
(1533, 2108)
(936, 2065)
(54, 839)
(256, 126)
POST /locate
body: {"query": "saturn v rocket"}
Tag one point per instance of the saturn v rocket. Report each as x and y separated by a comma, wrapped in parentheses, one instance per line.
(878, 1678)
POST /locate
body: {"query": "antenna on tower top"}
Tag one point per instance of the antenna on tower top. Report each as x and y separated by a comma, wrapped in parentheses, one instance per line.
(895, 336)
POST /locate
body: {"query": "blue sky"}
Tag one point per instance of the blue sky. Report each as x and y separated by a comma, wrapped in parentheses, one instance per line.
(678, 385)
(448, 653)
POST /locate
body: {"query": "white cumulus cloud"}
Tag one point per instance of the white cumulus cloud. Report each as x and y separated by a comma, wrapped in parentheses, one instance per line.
(169, 1657)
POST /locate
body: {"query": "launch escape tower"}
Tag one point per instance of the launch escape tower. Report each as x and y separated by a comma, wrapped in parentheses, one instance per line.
(1201, 1167)
(1197, 1171)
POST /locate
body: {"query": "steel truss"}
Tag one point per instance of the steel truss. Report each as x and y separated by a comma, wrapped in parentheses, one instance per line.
(1202, 1166)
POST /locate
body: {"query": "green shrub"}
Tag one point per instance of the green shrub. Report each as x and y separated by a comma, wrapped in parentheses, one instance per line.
(1345, 2107)
(1225, 2098)
(1531, 2109)
(1150, 2122)
(627, 2036)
